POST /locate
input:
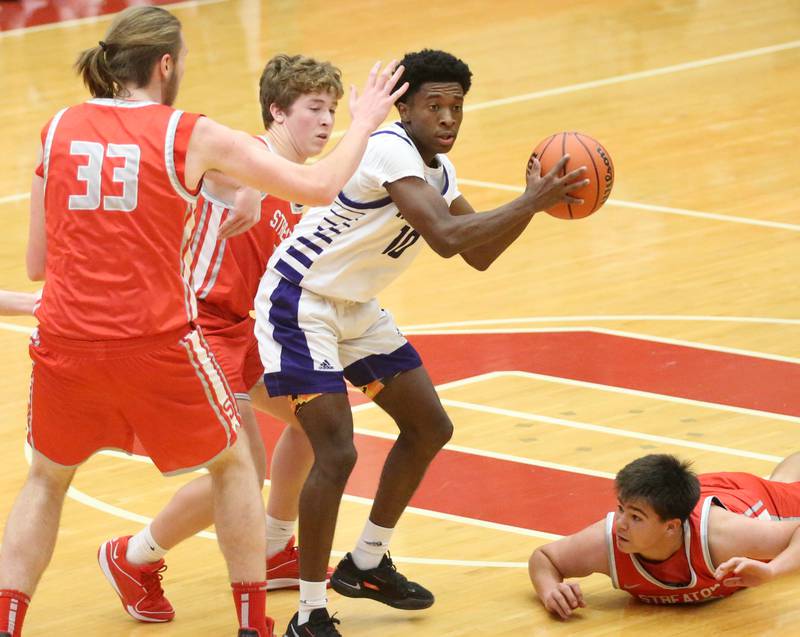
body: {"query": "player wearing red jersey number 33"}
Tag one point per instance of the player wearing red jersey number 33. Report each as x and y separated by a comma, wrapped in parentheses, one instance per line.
(116, 354)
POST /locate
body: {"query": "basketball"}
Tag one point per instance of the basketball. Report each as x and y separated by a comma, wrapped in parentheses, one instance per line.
(583, 151)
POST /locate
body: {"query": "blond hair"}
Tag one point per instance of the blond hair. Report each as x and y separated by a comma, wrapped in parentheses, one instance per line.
(287, 77)
(136, 40)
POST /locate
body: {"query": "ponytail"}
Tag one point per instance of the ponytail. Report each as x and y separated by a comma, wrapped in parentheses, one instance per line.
(136, 40)
(92, 65)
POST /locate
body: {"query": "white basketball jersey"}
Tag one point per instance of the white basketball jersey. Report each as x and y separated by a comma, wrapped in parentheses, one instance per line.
(360, 243)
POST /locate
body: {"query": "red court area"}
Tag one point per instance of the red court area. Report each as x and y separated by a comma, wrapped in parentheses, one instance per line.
(537, 498)
(553, 501)
(18, 14)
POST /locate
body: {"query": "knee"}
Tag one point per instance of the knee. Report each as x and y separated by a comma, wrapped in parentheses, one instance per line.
(433, 434)
(441, 432)
(336, 462)
(54, 482)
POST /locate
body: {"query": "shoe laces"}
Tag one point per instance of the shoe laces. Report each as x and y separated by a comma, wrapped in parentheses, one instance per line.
(151, 581)
(398, 579)
(329, 622)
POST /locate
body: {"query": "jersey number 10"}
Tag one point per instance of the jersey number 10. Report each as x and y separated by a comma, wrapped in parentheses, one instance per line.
(402, 242)
(91, 172)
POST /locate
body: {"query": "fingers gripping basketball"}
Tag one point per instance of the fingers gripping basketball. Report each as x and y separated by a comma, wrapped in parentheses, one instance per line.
(583, 151)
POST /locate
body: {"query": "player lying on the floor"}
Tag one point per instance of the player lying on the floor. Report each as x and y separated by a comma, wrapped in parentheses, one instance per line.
(679, 538)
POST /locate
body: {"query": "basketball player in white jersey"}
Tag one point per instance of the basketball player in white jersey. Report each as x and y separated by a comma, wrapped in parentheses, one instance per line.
(318, 322)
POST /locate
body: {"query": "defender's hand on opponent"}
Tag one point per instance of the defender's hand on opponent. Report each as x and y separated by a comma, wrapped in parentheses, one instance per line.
(243, 215)
(743, 571)
(377, 98)
(548, 190)
(563, 599)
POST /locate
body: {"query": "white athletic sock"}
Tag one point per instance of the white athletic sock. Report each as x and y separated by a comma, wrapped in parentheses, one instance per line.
(312, 597)
(279, 532)
(143, 549)
(371, 546)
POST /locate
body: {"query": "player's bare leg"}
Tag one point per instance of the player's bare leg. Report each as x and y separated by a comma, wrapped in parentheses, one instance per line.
(425, 428)
(328, 423)
(239, 514)
(411, 400)
(788, 470)
(32, 526)
(291, 459)
(191, 509)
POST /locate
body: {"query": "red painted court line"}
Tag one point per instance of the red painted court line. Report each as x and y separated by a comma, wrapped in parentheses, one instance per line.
(672, 370)
(30, 13)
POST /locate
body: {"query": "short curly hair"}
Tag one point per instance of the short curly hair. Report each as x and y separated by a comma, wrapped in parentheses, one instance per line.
(431, 65)
(287, 77)
(663, 481)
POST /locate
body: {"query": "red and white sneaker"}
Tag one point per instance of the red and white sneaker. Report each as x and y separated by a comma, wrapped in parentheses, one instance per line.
(283, 569)
(138, 586)
(249, 632)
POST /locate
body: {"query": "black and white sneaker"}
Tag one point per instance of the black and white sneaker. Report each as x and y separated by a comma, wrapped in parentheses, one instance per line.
(319, 624)
(382, 583)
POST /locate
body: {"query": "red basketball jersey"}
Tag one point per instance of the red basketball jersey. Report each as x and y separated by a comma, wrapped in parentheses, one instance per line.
(226, 273)
(118, 220)
(692, 567)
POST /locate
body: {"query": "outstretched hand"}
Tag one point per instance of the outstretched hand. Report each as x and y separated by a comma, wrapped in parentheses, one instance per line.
(550, 189)
(743, 571)
(377, 98)
(243, 215)
(563, 599)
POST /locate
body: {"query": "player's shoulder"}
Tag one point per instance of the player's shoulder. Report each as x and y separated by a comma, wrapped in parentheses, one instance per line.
(392, 137)
(446, 162)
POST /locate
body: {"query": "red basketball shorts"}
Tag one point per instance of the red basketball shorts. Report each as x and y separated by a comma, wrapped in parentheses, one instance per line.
(754, 496)
(236, 350)
(165, 390)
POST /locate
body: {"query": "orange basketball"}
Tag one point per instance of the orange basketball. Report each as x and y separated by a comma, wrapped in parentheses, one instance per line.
(583, 151)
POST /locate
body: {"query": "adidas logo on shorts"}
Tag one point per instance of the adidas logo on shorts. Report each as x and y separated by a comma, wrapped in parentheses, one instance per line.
(325, 365)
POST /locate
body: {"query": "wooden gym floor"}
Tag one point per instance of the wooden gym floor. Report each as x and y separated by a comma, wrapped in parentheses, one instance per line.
(669, 321)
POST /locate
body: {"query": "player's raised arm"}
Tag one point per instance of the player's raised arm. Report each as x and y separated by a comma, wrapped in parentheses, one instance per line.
(739, 543)
(576, 555)
(213, 146)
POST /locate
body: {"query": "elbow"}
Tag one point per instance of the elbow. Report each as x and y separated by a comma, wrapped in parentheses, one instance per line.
(443, 246)
(35, 272)
(35, 268)
(323, 194)
(478, 264)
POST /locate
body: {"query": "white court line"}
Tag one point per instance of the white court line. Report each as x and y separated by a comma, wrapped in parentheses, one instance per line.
(653, 208)
(769, 415)
(614, 202)
(572, 424)
(118, 512)
(639, 75)
(99, 505)
(96, 18)
(13, 327)
(602, 330)
(21, 196)
(605, 317)
(583, 86)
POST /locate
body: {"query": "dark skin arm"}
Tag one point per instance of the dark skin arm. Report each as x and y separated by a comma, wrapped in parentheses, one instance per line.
(482, 256)
(483, 237)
